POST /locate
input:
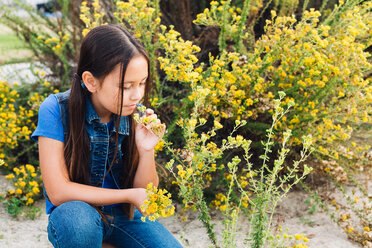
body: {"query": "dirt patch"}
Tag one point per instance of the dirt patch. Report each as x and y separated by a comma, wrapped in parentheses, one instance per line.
(292, 213)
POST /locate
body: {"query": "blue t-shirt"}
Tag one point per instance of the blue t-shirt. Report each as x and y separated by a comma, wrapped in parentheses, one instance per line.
(50, 125)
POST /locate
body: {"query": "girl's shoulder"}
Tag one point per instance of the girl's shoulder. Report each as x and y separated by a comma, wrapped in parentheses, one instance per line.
(53, 103)
(53, 100)
(62, 96)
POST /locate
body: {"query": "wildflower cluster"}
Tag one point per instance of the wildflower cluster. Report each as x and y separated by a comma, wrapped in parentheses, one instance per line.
(19, 112)
(231, 20)
(298, 57)
(179, 59)
(287, 240)
(196, 162)
(158, 203)
(15, 122)
(92, 17)
(56, 44)
(143, 16)
(219, 202)
(360, 208)
(27, 184)
(150, 123)
(247, 186)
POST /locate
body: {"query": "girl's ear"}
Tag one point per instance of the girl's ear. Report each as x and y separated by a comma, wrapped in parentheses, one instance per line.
(91, 83)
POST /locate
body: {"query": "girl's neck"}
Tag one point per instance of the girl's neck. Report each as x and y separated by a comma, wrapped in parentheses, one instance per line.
(103, 113)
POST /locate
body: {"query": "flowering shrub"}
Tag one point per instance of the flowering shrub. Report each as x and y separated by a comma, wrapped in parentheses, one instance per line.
(299, 59)
(27, 182)
(158, 204)
(19, 106)
(259, 192)
(92, 17)
(295, 56)
(13, 126)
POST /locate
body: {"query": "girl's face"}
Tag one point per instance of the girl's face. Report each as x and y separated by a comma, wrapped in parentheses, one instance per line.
(106, 98)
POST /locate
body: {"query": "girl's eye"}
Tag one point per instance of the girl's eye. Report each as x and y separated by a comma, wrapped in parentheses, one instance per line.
(130, 86)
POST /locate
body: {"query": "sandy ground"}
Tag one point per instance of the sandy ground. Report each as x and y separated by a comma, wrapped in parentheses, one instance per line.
(292, 211)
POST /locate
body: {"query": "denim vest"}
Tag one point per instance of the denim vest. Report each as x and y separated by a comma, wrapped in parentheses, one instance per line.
(101, 142)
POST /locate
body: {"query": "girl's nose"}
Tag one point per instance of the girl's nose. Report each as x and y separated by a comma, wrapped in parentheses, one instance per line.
(137, 93)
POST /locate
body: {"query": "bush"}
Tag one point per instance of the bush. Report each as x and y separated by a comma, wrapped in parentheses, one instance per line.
(19, 107)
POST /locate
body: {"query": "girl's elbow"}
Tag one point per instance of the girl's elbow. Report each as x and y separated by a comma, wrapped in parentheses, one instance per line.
(57, 196)
(56, 201)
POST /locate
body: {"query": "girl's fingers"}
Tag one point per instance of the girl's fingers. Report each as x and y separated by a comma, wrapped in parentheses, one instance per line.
(152, 122)
(149, 111)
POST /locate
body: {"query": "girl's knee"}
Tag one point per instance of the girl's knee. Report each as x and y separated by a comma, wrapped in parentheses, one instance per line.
(75, 211)
(75, 223)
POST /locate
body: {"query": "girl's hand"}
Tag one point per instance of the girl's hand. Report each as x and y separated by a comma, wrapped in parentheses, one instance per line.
(138, 197)
(145, 139)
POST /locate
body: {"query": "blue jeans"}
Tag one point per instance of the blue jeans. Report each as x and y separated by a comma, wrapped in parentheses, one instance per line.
(77, 224)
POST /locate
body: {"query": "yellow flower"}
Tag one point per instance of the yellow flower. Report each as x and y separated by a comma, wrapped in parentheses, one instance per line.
(19, 191)
(85, 31)
(35, 190)
(157, 204)
(193, 122)
(223, 207)
(29, 201)
(217, 125)
(181, 173)
(30, 168)
(305, 239)
(298, 236)
(152, 208)
(9, 176)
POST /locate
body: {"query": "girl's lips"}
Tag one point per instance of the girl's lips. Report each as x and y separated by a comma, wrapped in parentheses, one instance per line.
(131, 106)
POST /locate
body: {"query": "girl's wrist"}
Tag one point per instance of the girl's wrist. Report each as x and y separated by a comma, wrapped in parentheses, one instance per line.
(146, 152)
(130, 195)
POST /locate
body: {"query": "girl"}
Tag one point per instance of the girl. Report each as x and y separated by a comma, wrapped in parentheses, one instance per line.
(95, 161)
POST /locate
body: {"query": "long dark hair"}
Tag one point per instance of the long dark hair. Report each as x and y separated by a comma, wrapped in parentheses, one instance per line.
(102, 49)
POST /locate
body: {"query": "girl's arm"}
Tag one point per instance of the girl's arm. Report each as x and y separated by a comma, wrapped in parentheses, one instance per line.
(146, 142)
(60, 189)
(146, 171)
